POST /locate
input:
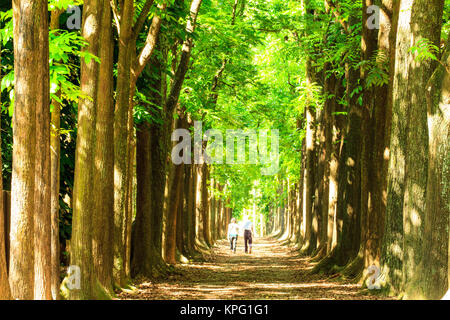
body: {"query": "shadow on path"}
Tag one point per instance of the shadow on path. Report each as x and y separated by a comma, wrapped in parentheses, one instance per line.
(270, 272)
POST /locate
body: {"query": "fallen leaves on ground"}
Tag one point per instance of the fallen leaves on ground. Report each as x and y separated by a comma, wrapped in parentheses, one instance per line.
(272, 271)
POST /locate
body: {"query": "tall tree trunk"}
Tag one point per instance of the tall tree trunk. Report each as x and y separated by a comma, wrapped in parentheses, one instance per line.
(381, 114)
(103, 219)
(324, 160)
(192, 206)
(308, 182)
(432, 280)
(426, 22)
(310, 116)
(130, 199)
(5, 291)
(325, 140)
(392, 244)
(159, 146)
(123, 93)
(337, 219)
(180, 74)
(212, 209)
(330, 174)
(28, 65)
(142, 239)
(205, 206)
(349, 175)
(83, 201)
(42, 214)
(368, 49)
(55, 156)
(301, 192)
(185, 215)
(174, 202)
(151, 151)
(181, 245)
(199, 207)
(130, 68)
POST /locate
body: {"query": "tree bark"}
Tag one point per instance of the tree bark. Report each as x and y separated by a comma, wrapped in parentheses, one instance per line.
(151, 151)
(381, 114)
(5, 291)
(199, 207)
(42, 195)
(192, 207)
(129, 69)
(28, 66)
(142, 240)
(55, 156)
(103, 219)
(175, 199)
(130, 197)
(330, 173)
(325, 140)
(123, 94)
(308, 190)
(206, 206)
(83, 201)
(392, 243)
(308, 245)
(426, 22)
(434, 268)
(350, 204)
(369, 45)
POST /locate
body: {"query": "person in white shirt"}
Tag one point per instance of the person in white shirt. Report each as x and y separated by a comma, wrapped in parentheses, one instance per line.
(248, 232)
(233, 231)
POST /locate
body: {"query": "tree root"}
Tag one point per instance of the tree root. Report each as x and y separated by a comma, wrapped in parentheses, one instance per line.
(319, 254)
(327, 266)
(354, 269)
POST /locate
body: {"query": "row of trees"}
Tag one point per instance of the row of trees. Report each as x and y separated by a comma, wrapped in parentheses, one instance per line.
(357, 91)
(134, 212)
(374, 180)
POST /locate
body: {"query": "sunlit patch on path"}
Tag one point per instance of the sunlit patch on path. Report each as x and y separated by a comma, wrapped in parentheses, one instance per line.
(272, 271)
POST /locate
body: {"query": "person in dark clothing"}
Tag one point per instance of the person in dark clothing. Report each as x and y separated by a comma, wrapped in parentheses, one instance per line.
(248, 235)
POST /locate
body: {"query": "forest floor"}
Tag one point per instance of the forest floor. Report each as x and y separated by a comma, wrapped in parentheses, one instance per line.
(272, 271)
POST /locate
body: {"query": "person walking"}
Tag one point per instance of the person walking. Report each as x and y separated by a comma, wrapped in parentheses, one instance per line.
(233, 231)
(248, 234)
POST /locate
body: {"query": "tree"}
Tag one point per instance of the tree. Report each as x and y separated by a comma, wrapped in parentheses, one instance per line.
(175, 199)
(29, 63)
(129, 69)
(380, 124)
(434, 267)
(392, 259)
(309, 240)
(5, 291)
(416, 162)
(103, 219)
(406, 203)
(84, 203)
(150, 175)
(55, 155)
(42, 215)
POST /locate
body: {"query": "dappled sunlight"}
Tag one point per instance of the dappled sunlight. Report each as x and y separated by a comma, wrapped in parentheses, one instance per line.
(272, 271)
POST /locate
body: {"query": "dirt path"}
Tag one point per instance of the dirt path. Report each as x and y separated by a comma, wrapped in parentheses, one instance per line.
(272, 271)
